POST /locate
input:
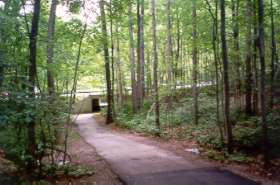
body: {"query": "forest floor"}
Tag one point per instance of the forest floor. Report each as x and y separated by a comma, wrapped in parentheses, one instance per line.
(139, 159)
(7, 171)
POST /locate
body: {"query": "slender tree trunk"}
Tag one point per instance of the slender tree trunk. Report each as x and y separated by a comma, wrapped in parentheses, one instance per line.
(182, 62)
(132, 60)
(112, 58)
(118, 68)
(178, 43)
(155, 64)
(216, 62)
(216, 56)
(236, 54)
(148, 72)
(195, 64)
(73, 93)
(255, 66)
(273, 54)
(50, 47)
(32, 73)
(262, 79)
(142, 51)
(140, 54)
(226, 78)
(248, 62)
(169, 53)
(109, 118)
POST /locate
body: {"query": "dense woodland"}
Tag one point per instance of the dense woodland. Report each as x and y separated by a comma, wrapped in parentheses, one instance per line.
(201, 70)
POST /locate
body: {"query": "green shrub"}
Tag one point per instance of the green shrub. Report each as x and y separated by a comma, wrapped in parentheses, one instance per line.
(247, 131)
(239, 157)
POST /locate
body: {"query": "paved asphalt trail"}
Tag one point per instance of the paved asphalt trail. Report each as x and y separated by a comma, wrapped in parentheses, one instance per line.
(141, 164)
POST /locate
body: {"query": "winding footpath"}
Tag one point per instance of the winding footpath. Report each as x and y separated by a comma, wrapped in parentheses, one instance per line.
(137, 163)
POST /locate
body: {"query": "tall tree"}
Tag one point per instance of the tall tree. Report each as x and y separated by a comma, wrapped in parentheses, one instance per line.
(214, 15)
(132, 59)
(109, 117)
(274, 57)
(155, 63)
(73, 91)
(255, 63)
(118, 68)
(236, 51)
(248, 61)
(226, 78)
(178, 45)
(112, 57)
(262, 79)
(140, 53)
(50, 46)
(169, 48)
(32, 73)
(195, 63)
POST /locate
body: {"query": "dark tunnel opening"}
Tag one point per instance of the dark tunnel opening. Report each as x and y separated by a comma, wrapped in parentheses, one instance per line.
(95, 105)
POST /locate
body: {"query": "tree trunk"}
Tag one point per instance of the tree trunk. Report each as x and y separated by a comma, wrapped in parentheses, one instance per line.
(178, 44)
(118, 68)
(255, 66)
(236, 52)
(226, 79)
(73, 92)
(148, 72)
(132, 60)
(112, 58)
(195, 64)
(109, 118)
(262, 79)
(273, 55)
(155, 64)
(140, 54)
(248, 62)
(142, 51)
(50, 46)
(216, 62)
(32, 74)
(169, 53)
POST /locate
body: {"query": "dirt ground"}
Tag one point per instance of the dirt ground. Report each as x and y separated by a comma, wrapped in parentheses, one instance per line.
(85, 155)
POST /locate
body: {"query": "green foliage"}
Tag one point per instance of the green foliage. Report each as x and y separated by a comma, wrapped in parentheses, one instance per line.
(214, 155)
(16, 112)
(248, 133)
(239, 157)
(224, 157)
(75, 6)
(247, 137)
(138, 122)
(67, 170)
(177, 123)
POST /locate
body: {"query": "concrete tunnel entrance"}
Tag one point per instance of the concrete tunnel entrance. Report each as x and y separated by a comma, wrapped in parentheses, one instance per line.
(88, 103)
